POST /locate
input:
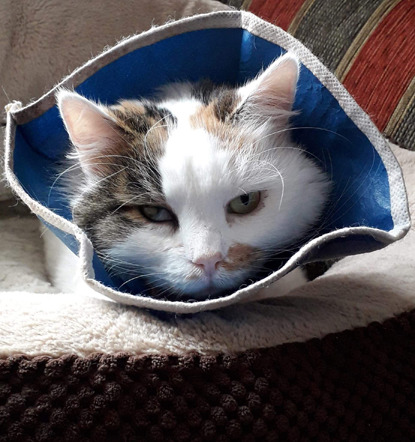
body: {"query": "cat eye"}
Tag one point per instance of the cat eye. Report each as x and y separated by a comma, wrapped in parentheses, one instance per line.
(157, 214)
(245, 203)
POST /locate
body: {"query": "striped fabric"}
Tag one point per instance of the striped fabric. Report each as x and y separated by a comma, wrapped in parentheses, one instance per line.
(368, 44)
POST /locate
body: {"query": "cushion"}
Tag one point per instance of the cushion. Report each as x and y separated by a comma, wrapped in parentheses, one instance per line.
(369, 47)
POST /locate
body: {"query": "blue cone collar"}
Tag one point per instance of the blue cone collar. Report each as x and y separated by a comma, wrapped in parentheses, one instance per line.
(368, 203)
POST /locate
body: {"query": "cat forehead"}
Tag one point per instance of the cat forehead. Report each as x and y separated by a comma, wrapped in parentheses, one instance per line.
(203, 105)
(194, 162)
(200, 149)
(184, 105)
(185, 135)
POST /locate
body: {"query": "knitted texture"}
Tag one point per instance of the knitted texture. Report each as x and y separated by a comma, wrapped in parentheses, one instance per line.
(350, 386)
(368, 44)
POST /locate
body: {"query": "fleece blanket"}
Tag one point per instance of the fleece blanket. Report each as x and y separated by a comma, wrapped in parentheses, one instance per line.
(356, 291)
(42, 42)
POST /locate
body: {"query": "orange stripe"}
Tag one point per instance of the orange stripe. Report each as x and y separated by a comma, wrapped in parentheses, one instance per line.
(280, 12)
(406, 101)
(385, 66)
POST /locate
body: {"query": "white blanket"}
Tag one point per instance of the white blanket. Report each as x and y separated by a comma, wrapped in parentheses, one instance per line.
(34, 319)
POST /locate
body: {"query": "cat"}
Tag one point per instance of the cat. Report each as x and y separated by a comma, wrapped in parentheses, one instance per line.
(195, 190)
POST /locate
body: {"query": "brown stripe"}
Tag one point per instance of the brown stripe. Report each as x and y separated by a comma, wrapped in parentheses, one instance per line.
(404, 133)
(300, 16)
(246, 5)
(385, 66)
(347, 61)
(329, 27)
(403, 107)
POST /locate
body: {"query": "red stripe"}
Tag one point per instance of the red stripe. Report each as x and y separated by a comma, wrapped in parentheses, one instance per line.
(385, 66)
(279, 12)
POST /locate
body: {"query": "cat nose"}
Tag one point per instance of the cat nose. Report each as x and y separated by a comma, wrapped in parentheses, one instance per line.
(209, 263)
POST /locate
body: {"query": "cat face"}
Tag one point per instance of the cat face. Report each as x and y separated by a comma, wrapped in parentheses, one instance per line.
(195, 191)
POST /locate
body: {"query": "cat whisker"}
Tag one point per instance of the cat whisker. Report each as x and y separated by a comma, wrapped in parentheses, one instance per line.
(67, 170)
(155, 125)
(282, 184)
(110, 176)
(290, 129)
(139, 277)
(300, 149)
(125, 203)
(334, 207)
(79, 167)
(124, 265)
(112, 262)
(155, 287)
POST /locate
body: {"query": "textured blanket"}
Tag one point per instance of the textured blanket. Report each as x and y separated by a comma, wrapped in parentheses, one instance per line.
(352, 386)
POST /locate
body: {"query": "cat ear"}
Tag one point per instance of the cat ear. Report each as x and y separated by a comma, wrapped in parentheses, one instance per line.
(272, 93)
(91, 129)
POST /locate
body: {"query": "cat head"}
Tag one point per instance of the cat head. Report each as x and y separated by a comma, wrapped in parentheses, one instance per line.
(193, 191)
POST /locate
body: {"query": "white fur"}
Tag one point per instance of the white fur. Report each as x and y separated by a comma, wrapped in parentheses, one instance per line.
(201, 175)
(283, 84)
(202, 172)
(199, 178)
(79, 116)
(63, 266)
